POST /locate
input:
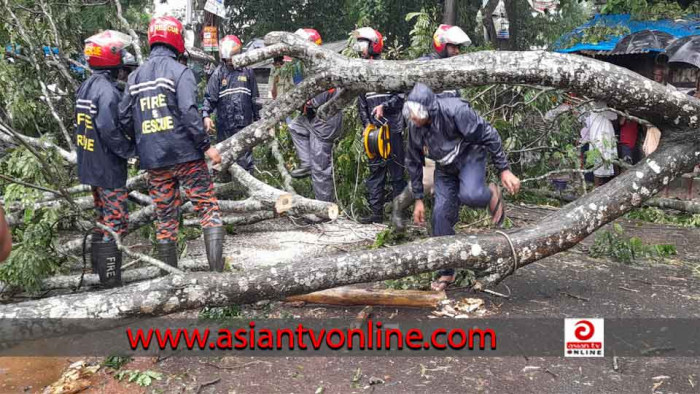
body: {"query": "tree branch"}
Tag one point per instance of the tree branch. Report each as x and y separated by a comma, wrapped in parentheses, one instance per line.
(621, 88)
(281, 168)
(30, 185)
(57, 41)
(35, 63)
(135, 41)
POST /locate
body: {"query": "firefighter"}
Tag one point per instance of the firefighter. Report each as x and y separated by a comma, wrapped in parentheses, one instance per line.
(160, 106)
(128, 66)
(447, 41)
(232, 93)
(103, 148)
(378, 108)
(451, 133)
(313, 137)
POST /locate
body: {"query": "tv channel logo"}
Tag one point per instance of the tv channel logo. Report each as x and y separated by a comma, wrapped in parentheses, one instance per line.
(584, 337)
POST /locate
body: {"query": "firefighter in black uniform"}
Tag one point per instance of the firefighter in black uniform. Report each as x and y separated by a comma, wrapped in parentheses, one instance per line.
(378, 108)
(103, 149)
(160, 106)
(231, 92)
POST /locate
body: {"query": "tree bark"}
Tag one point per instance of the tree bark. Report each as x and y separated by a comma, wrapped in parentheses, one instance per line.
(678, 205)
(488, 255)
(686, 206)
(621, 88)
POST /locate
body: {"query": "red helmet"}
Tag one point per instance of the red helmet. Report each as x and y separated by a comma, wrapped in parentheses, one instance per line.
(229, 45)
(446, 34)
(168, 31)
(310, 35)
(106, 49)
(373, 37)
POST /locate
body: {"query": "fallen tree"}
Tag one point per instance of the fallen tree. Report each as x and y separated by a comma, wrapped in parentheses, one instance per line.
(489, 256)
(492, 257)
(686, 206)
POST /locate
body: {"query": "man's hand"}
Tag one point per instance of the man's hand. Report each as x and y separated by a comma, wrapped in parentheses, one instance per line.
(208, 124)
(378, 111)
(510, 182)
(214, 155)
(419, 212)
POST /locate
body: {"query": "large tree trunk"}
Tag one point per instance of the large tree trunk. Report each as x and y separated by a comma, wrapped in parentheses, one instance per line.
(492, 257)
(488, 255)
(621, 88)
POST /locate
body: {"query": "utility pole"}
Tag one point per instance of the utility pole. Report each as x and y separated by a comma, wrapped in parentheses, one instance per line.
(188, 13)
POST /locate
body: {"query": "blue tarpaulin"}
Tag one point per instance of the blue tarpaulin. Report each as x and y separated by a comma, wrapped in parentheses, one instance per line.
(677, 28)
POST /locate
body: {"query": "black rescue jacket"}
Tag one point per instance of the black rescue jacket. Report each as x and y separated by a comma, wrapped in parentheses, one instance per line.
(393, 104)
(232, 94)
(455, 129)
(102, 146)
(160, 107)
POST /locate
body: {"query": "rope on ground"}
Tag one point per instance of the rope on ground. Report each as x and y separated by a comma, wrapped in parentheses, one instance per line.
(512, 249)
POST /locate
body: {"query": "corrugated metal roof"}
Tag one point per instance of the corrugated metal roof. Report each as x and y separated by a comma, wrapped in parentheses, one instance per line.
(677, 28)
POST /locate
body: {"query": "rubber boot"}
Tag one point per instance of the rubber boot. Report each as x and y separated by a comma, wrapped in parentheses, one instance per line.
(214, 244)
(398, 205)
(108, 263)
(95, 240)
(167, 253)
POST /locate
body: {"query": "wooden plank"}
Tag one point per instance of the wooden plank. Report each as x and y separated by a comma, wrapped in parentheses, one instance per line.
(383, 297)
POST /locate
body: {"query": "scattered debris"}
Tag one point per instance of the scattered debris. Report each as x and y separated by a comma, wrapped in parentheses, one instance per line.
(461, 309)
(362, 317)
(530, 368)
(320, 390)
(575, 296)
(75, 379)
(356, 378)
(141, 378)
(616, 366)
(262, 304)
(626, 289)
(424, 369)
(205, 384)
(373, 381)
(495, 293)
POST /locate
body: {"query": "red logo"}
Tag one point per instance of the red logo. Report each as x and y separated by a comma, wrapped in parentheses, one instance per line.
(584, 330)
(584, 337)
